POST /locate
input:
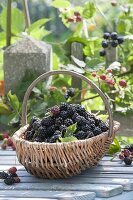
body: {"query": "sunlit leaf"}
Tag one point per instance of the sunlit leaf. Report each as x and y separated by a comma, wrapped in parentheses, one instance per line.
(60, 4)
(80, 63)
(89, 10)
(70, 130)
(4, 109)
(37, 24)
(68, 139)
(13, 100)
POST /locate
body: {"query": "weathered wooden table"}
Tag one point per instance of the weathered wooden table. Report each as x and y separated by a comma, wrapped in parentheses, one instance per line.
(109, 180)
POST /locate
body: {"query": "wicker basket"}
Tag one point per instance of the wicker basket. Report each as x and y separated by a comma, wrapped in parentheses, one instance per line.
(61, 160)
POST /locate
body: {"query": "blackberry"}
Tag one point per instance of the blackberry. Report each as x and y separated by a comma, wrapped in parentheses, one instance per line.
(106, 35)
(92, 126)
(74, 116)
(114, 36)
(127, 147)
(63, 114)
(13, 175)
(80, 135)
(62, 128)
(104, 44)
(80, 120)
(120, 40)
(58, 121)
(33, 119)
(114, 43)
(97, 131)
(71, 92)
(97, 121)
(85, 128)
(42, 132)
(36, 125)
(63, 106)
(54, 138)
(79, 109)
(9, 181)
(29, 135)
(3, 175)
(127, 160)
(131, 147)
(89, 134)
(50, 131)
(102, 53)
(68, 122)
(37, 139)
(70, 110)
(66, 96)
(103, 127)
(55, 110)
(47, 121)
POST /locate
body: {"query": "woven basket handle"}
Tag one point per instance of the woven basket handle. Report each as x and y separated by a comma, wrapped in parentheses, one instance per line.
(51, 73)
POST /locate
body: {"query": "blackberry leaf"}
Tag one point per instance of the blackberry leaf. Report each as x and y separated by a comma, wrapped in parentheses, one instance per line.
(68, 139)
(70, 130)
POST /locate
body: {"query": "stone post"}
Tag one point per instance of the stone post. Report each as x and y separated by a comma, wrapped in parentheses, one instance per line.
(27, 55)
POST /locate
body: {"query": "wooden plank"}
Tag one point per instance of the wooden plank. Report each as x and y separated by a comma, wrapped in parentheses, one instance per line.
(12, 198)
(61, 195)
(100, 190)
(123, 196)
(7, 153)
(96, 170)
(126, 183)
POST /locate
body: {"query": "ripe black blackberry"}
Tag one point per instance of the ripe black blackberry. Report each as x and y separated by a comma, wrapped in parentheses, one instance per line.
(29, 135)
(131, 147)
(103, 126)
(36, 125)
(9, 181)
(42, 132)
(55, 110)
(102, 53)
(106, 35)
(97, 131)
(86, 128)
(63, 106)
(63, 114)
(71, 92)
(47, 121)
(50, 130)
(58, 121)
(70, 110)
(127, 160)
(33, 119)
(120, 40)
(114, 36)
(80, 120)
(37, 139)
(66, 96)
(105, 44)
(97, 121)
(74, 117)
(13, 175)
(79, 109)
(54, 138)
(93, 126)
(114, 43)
(62, 128)
(89, 134)
(80, 135)
(68, 122)
(3, 175)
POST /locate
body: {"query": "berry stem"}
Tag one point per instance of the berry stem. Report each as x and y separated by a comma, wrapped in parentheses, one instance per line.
(85, 29)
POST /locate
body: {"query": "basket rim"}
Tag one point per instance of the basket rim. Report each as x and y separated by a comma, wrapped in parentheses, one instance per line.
(17, 137)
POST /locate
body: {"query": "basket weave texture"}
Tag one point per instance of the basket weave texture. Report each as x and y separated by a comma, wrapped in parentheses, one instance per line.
(61, 160)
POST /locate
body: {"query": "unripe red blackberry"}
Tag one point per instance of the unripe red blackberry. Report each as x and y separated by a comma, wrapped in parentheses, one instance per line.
(102, 76)
(122, 83)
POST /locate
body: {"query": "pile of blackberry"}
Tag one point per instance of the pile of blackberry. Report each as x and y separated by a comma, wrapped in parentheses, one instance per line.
(126, 154)
(110, 39)
(53, 126)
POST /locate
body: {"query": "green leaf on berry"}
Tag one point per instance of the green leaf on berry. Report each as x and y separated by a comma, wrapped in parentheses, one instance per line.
(103, 117)
(89, 10)
(70, 130)
(68, 139)
(114, 147)
(61, 4)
